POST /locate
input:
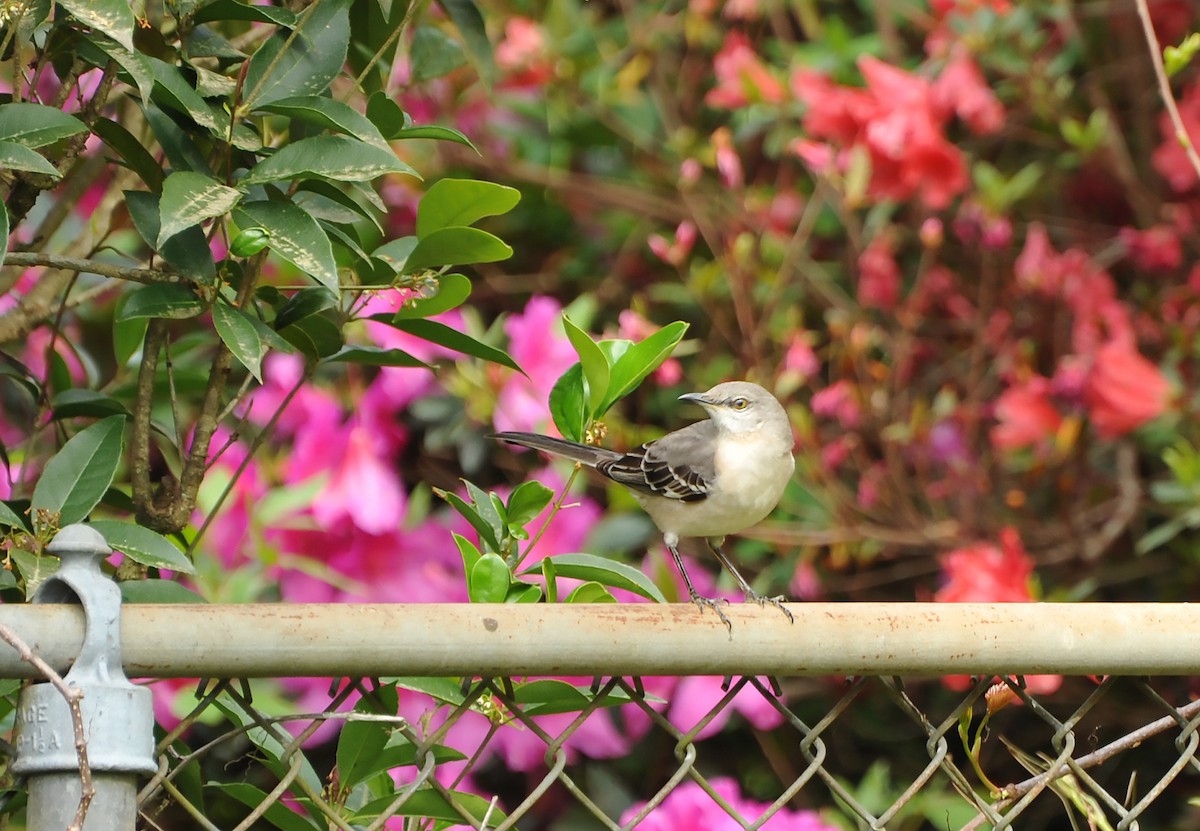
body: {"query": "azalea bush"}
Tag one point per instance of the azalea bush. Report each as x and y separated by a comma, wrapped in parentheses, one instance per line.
(273, 273)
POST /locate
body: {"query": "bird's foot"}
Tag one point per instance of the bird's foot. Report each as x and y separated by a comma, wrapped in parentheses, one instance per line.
(776, 601)
(714, 603)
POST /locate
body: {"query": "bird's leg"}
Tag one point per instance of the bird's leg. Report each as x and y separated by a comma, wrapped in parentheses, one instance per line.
(713, 603)
(751, 595)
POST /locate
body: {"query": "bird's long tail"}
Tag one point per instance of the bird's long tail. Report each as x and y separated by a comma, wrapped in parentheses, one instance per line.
(582, 453)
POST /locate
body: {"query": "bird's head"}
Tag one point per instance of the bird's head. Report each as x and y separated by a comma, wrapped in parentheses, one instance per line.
(740, 407)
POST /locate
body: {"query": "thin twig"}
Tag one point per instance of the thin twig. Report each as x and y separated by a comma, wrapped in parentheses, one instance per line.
(147, 276)
(1164, 86)
(72, 695)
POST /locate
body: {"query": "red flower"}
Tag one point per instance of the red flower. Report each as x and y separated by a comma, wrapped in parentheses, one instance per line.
(879, 276)
(741, 77)
(988, 573)
(894, 119)
(1155, 249)
(1025, 416)
(1124, 390)
(1169, 158)
(961, 89)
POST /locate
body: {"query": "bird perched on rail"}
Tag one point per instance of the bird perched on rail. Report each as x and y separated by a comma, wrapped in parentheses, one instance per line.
(710, 479)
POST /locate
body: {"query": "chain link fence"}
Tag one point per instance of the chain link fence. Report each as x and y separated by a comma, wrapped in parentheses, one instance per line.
(529, 748)
(1075, 775)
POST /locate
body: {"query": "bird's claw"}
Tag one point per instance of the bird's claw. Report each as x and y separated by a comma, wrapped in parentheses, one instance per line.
(776, 601)
(715, 604)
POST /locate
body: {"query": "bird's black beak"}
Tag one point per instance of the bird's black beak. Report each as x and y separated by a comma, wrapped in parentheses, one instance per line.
(697, 398)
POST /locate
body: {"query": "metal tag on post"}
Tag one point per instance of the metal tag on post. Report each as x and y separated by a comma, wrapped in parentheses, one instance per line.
(118, 716)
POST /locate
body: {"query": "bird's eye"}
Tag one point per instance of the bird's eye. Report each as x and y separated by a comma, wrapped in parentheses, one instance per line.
(740, 403)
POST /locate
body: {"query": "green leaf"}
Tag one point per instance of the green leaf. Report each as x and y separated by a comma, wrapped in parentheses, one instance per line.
(639, 360)
(465, 15)
(238, 332)
(607, 572)
(295, 236)
(446, 690)
(166, 300)
(428, 803)
(340, 158)
(317, 336)
(433, 131)
(10, 518)
(330, 114)
(157, 591)
(131, 151)
(590, 592)
(36, 125)
(276, 814)
(173, 91)
(456, 246)
(358, 750)
(34, 569)
(400, 752)
(19, 157)
(594, 362)
(489, 580)
(469, 552)
(305, 303)
(550, 578)
(190, 198)
(520, 592)
(489, 508)
(301, 62)
(459, 202)
(452, 291)
(527, 500)
(76, 478)
(237, 10)
(112, 17)
(441, 334)
(143, 545)
(180, 150)
(376, 356)
(76, 403)
(4, 232)
(188, 250)
(433, 53)
(568, 404)
(487, 534)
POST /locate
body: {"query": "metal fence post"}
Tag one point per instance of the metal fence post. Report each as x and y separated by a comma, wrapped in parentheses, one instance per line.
(117, 716)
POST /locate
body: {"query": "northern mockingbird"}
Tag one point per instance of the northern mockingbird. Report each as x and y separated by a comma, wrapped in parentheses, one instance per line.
(709, 479)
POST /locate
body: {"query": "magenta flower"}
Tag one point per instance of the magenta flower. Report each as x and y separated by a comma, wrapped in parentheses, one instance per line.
(690, 808)
(538, 345)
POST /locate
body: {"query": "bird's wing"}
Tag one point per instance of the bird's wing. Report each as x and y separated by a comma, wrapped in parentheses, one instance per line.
(680, 465)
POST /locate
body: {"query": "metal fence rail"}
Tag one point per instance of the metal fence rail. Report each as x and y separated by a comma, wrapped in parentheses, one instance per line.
(1074, 754)
(910, 639)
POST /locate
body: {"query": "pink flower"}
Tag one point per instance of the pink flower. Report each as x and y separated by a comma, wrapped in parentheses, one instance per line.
(961, 89)
(674, 252)
(801, 359)
(522, 54)
(839, 400)
(1124, 390)
(538, 345)
(1154, 249)
(363, 487)
(689, 808)
(878, 275)
(741, 77)
(729, 166)
(1025, 416)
